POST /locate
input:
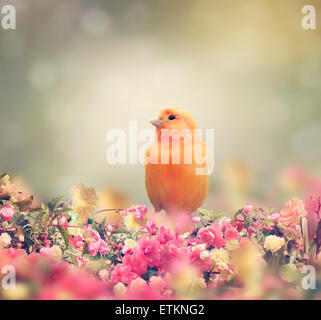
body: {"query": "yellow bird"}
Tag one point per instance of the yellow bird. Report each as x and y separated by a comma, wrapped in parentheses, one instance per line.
(175, 186)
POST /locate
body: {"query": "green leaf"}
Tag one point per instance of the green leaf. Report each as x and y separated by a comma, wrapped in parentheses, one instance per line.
(150, 272)
(94, 225)
(103, 223)
(270, 210)
(19, 220)
(305, 234)
(52, 204)
(64, 209)
(85, 249)
(249, 218)
(209, 215)
(64, 235)
(42, 216)
(73, 259)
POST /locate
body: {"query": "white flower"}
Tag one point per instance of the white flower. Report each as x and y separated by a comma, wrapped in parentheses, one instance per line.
(201, 246)
(138, 283)
(104, 274)
(185, 235)
(130, 243)
(119, 289)
(130, 222)
(273, 243)
(56, 252)
(219, 255)
(232, 244)
(5, 240)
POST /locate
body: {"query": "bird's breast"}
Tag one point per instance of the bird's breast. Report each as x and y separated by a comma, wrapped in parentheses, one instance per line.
(174, 186)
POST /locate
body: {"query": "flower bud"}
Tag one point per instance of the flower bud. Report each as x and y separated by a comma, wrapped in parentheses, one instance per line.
(275, 216)
(248, 208)
(196, 219)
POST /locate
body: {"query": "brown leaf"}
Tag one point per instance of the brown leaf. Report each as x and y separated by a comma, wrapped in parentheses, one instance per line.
(25, 204)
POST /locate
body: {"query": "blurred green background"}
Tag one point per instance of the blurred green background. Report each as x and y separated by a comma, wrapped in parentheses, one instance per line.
(75, 69)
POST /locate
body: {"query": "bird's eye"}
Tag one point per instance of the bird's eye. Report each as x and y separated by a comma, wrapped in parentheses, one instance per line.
(171, 117)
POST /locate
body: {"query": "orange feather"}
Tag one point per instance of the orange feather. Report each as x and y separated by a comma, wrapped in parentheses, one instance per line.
(175, 187)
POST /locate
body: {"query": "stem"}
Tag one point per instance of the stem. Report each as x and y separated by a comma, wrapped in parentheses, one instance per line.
(115, 226)
(209, 271)
(104, 210)
(318, 210)
(70, 226)
(318, 238)
(8, 229)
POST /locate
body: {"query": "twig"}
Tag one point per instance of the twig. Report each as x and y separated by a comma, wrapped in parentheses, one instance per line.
(104, 210)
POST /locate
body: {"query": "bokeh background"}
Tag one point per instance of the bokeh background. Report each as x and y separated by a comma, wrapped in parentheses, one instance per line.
(75, 69)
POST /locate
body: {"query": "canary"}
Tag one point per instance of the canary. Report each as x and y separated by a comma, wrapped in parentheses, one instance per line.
(175, 186)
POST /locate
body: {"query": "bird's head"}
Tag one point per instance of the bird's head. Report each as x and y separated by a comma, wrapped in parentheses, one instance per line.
(171, 118)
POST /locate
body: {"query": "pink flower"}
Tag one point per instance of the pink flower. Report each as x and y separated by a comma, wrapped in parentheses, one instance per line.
(212, 235)
(157, 283)
(123, 273)
(248, 208)
(196, 260)
(164, 235)
(93, 247)
(96, 244)
(151, 227)
(139, 216)
(292, 212)
(139, 209)
(76, 241)
(207, 235)
(103, 248)
(171, 251)
(225, 223)
(126, 250)
(94, 234)
(7, 211)
(137, 262)
(150, 249)
(139, 213)
(231, 233)
(219, 242)
(313, 213)
(16, 252)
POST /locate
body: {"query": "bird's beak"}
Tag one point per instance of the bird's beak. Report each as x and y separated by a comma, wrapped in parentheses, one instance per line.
(157, 122)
